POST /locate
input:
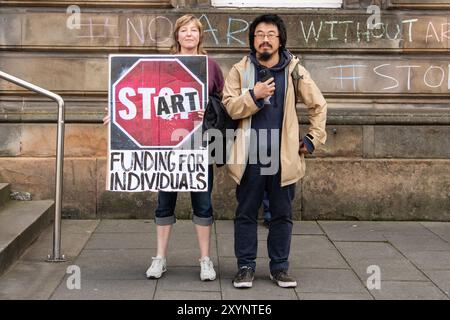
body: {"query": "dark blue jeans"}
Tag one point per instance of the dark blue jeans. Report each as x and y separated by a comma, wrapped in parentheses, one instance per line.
(266, 208)
(201, 205)
(250, 194)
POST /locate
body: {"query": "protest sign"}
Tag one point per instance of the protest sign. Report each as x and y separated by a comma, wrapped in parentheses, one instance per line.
(154, 104)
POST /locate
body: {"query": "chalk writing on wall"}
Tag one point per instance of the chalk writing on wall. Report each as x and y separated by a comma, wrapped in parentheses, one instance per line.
(303, 32)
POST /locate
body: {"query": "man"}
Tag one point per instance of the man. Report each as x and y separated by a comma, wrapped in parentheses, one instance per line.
(269, 106)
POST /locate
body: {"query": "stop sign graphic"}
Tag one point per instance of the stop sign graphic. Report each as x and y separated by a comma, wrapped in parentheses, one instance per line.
(155, 97)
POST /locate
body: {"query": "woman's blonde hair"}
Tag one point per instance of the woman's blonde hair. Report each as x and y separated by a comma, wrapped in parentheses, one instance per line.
(176, 48)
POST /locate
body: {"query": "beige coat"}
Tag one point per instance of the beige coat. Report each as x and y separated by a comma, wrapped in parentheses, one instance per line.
(240, 105)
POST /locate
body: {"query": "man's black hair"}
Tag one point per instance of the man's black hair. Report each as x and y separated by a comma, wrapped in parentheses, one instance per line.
(270, 19)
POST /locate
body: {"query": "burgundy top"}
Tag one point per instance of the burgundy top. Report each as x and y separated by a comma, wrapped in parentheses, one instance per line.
(215, 77)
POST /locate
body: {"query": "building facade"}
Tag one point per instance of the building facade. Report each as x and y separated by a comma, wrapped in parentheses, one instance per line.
(383, 67)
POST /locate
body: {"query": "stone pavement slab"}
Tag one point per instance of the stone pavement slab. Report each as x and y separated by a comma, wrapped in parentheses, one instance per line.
(442, 229)
(86, 227)
(107, 290)
(351, 231)
(263, 289)
(393, 265)
(317, 259)
(408, 290)
(123, 240)
(329, 259)
(430, 260)
(306, 227)
(116, 264)
(315, 251)
(185, 279)
(327, 281)
(71, 243)
(312, 242)
(390, 269)
(400, 227)
(33, 278)
(414, 243)
(187, 295)
(334, 296)
(370, 230)
(121, 225)
(367, 250)
(440, 278)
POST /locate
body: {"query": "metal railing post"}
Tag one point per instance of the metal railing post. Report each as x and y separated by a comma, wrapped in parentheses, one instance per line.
(56, 253)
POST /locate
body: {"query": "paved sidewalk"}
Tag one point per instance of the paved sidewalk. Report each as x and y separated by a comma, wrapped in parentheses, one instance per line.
(328, 258)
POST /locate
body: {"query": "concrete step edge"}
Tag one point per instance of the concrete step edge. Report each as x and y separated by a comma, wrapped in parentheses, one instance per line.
(5, 190)
(21, 223)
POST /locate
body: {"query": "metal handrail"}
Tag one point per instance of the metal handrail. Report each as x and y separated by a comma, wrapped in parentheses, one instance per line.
(56, 254)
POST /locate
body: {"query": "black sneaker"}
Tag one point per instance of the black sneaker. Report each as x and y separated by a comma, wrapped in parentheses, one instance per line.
(282, 279)
(243, 278)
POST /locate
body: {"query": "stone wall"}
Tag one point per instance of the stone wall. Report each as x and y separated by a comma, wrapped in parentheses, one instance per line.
(388, 91)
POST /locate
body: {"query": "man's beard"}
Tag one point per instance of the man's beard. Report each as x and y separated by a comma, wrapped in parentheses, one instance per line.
(265, 56)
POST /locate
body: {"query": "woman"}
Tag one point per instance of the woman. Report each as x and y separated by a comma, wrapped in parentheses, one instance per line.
(188, 38)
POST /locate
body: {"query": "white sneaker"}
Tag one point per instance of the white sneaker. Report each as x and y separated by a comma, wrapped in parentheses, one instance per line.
(207, 269)
(158, 267)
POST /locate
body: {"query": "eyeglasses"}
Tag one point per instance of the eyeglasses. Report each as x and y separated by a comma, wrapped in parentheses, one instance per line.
(270, 36)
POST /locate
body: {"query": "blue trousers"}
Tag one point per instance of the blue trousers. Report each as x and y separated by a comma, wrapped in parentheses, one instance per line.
(250, 194)
(201, 205)
(266, 208)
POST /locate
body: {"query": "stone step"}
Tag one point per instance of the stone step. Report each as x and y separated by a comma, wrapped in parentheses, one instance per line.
(5, 190)
(21, 222)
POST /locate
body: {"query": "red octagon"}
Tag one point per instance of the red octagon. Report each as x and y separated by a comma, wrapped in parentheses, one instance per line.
(137, 100)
